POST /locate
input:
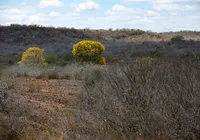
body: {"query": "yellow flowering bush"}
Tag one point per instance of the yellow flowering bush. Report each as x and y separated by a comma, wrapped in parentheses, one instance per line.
(33, 56)
(102, 60)
(88, 50)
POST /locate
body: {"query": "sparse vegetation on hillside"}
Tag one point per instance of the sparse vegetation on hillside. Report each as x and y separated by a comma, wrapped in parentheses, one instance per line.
(16, 39)
(35, 34)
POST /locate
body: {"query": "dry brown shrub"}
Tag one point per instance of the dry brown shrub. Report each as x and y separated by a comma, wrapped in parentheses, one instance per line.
(133, 101)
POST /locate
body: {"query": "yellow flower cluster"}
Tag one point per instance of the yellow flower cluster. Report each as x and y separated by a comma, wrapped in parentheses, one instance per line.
(88, 50)
(33, 56)
(102, 61)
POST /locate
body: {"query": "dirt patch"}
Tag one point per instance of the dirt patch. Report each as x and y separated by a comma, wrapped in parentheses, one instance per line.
(37, 109)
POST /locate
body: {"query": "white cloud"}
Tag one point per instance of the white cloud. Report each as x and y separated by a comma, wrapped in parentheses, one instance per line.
(37, 18)
(174, 7)
(120, 16)
(120, 8)
(174, 14)
(167, 7)
(87, 5)
(11, 11)
(23, 4)
(161, 1)
(153, 13)
(54, 14)
(50, 3)
(12, 15)
(175, 23)
(192, 7)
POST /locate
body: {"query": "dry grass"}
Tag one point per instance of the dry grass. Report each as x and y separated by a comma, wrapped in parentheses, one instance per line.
(70, 71)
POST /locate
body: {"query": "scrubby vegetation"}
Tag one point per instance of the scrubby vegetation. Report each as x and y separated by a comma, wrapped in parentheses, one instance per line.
(144, 101)
(143, 98)
(149, 88)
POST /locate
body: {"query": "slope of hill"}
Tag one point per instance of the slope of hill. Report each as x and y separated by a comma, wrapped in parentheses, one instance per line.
(26, 35)
(15, 39)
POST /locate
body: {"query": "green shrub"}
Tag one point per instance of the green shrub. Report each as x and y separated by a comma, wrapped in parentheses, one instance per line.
(68, 57)
(89, 51)
(1, 73)
(52, 58)
(11, 62)
(157, 54)
(176, 39)
(59, 60)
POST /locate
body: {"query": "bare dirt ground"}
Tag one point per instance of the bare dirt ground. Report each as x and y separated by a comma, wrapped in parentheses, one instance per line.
(37, 108)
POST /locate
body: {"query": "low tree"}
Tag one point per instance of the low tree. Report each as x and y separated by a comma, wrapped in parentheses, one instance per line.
(176, 39)
(89, 51)
(33, 56)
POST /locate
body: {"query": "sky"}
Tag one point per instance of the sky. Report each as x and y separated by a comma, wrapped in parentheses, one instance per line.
(148, 15)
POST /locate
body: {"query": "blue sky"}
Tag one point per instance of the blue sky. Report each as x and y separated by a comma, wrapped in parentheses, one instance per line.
(154, 15)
